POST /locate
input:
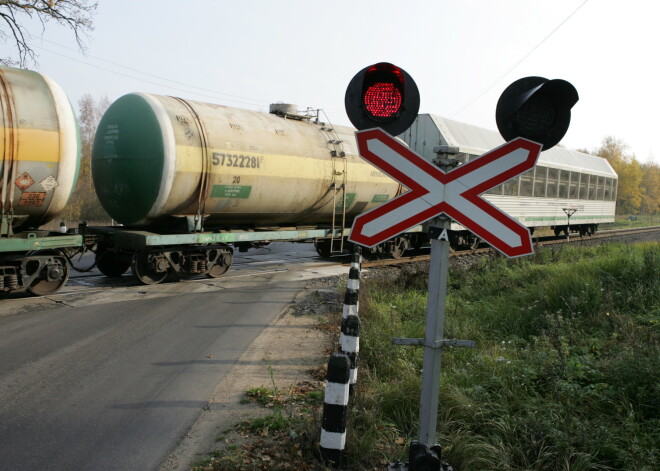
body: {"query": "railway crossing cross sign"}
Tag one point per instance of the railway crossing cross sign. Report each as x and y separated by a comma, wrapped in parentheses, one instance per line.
(532, 113)
(432, 192)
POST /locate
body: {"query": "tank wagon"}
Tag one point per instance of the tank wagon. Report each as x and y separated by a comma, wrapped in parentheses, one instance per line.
(38, 170)
(189, 181)
(563, 182)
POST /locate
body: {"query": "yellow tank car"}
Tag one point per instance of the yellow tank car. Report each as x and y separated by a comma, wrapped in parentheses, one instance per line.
(40, 149)
(160, 160)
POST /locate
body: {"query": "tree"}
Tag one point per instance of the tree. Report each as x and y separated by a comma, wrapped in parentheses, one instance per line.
(630, 192)
(75, 14)
(84, 204)
(89, 118)
(651, 185)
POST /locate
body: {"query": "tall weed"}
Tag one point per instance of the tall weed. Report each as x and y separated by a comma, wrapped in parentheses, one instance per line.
(566, 374)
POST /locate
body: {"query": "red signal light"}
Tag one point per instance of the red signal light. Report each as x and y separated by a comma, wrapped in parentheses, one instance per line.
(383, 100)
(382, 96)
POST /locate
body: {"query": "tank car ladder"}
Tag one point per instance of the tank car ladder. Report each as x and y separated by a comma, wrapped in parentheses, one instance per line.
(339, 176)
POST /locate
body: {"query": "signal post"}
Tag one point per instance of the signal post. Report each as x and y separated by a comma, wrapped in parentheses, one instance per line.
(532, 113)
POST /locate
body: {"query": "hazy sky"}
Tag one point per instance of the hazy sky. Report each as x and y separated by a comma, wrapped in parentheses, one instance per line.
(462, 54)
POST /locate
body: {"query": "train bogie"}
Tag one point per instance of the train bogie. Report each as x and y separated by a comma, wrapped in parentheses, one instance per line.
(156, 256)
(155, 264)
(36, 261)
(582, 229)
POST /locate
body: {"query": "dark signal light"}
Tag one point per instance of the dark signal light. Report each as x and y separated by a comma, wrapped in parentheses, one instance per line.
(537, 109)
(382, 95)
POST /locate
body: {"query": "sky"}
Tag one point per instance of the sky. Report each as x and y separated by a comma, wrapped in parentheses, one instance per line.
(461, 53)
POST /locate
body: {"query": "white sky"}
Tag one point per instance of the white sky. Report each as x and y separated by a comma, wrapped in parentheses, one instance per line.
(250, 53)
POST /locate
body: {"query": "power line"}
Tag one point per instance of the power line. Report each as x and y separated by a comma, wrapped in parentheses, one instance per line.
(519, 62)
(215, 95)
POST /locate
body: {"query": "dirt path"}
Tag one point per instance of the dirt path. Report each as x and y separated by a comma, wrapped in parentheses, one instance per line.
(283, 354)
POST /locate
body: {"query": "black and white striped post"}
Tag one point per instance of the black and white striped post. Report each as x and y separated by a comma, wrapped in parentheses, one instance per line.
(349, 339)
(354, 272)
(349, 343)
(335, 407)
(352, 296)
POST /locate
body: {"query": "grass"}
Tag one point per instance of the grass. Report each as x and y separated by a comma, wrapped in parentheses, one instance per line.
(284, 439)
(628, 221)
(565, 376)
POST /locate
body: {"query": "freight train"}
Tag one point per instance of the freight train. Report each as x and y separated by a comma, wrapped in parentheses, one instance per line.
(190, 182)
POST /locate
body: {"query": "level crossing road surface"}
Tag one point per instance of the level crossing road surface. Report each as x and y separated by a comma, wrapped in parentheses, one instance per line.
(96, 382)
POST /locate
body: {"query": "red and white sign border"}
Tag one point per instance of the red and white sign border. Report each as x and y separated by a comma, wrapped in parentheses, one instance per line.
(438, 204)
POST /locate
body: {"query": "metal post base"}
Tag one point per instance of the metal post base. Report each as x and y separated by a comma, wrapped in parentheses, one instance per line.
(421, 458)
(399, 466)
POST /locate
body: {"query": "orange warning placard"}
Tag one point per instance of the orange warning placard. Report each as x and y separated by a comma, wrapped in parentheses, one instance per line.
(24, 181)
(32, 199)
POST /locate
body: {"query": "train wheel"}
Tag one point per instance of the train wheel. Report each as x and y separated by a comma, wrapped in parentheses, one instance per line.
(144, 270)
(219, 269)
(323, 248)
(398, 248)
(111, 264)
(52, 277)
(474, 242)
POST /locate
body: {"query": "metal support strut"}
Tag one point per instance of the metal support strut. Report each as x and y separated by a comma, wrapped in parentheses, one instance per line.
(425, 453)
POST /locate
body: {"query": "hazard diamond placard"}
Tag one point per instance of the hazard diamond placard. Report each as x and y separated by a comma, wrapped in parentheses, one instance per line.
(456, 193)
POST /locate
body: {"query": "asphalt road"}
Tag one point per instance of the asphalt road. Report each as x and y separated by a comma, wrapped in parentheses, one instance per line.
(100, 385)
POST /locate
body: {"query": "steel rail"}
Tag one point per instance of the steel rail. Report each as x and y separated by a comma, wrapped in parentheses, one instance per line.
(538, 242)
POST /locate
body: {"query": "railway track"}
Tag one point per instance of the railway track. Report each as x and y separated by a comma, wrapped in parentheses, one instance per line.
(538, 242)
(260, 262)
(302, 258)
(254, 260)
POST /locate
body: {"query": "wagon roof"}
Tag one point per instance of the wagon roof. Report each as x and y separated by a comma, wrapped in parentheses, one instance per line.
(477, 140)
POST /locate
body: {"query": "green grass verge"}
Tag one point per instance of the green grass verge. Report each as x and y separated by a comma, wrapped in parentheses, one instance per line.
(622, 221)
(565, 376)
(283, 440)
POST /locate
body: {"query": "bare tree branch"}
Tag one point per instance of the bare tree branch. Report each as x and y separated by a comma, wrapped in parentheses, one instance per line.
(75, 14)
